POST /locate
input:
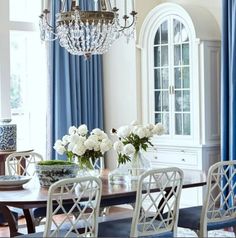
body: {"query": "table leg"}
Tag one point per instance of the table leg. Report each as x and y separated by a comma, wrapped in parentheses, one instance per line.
(29, 221)
(12, 223)
(2, 163)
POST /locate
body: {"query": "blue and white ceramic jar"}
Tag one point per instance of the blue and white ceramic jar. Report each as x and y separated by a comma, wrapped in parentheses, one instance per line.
(7, 135)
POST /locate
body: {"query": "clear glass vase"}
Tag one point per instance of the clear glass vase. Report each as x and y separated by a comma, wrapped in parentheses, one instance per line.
(138, 165)
(92, 167)
(119, 175)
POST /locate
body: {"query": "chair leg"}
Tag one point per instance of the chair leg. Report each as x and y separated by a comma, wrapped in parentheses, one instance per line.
(234, 229)
(202, 233)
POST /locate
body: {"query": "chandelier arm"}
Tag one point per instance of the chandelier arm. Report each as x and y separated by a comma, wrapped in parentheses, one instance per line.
(126, 27)
(52, 27)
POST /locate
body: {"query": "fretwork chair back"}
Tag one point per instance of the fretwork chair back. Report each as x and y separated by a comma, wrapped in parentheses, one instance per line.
(85, 190)
(22, 163)
(40, 213)
(219, 207)
(158, 191)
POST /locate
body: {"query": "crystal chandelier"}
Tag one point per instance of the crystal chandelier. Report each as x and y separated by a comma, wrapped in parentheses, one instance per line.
(88, 32)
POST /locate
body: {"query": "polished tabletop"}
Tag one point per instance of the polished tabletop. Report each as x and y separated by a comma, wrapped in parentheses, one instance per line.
(32, 194)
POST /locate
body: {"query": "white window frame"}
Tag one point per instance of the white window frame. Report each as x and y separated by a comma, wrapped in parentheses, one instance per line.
(5, 73)
(6, 27)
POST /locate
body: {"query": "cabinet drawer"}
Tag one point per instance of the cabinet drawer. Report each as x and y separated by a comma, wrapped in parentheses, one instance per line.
(171, 158)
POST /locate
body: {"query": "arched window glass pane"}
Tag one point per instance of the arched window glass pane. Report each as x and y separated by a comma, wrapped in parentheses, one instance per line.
(184, 34)
(177, 33)
(157, 38)
(164, 33)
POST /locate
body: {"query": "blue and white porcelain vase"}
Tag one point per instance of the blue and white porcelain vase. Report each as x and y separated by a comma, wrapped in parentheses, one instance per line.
(7, 135)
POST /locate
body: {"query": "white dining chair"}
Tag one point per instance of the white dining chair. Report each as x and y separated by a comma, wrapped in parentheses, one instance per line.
(22, 163)
(76, 191)
(219, 207)
(147, 219)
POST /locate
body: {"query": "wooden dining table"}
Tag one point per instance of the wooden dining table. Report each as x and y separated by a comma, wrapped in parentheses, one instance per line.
(31, 195)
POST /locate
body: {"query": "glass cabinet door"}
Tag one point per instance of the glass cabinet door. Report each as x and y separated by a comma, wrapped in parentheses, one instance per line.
(161, 76)
(172, 78)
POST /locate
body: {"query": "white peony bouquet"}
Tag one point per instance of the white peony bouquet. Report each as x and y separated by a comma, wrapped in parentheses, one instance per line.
(83, 146)
(133, 138)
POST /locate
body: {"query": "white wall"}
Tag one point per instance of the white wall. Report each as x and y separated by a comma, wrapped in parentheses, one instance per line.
(122, 71)
(119, 87)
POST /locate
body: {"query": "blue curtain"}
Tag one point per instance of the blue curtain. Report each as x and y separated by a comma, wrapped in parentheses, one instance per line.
(228, 86)
(76, 89)
(228, 81)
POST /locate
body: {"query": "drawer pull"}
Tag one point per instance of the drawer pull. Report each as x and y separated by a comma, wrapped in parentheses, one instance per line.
(155, 157)
(183, 160)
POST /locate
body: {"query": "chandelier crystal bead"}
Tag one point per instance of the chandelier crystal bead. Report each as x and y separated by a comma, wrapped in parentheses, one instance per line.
(88, 32)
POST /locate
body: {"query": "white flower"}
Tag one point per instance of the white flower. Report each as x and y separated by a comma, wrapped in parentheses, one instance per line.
(72, 130)
(141, 132)
(58, 143)
(158, 129)
(105, 145)
(65, 139)
(60, 150)
(90, 144)
(149, 126)
(124, 131)
(74, 138)
(82, 130)
(70, 146)
(118, 146)
(129, 149)
(59, 147)
(97, 147)
(96, 131)
(79, 150)
(103, 136)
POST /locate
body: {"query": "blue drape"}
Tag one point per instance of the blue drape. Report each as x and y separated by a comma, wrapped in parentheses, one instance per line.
(76, 88)
(228, 81)
(228, 86)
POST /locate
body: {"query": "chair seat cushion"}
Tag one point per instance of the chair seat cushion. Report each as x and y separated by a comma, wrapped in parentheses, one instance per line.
(190, 218)
(121, 228)
(40, 234)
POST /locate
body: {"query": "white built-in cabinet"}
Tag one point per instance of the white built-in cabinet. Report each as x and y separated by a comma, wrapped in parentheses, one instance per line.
(180, 87)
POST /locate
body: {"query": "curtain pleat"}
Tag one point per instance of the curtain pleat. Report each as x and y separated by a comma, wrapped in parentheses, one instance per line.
(76, 89)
